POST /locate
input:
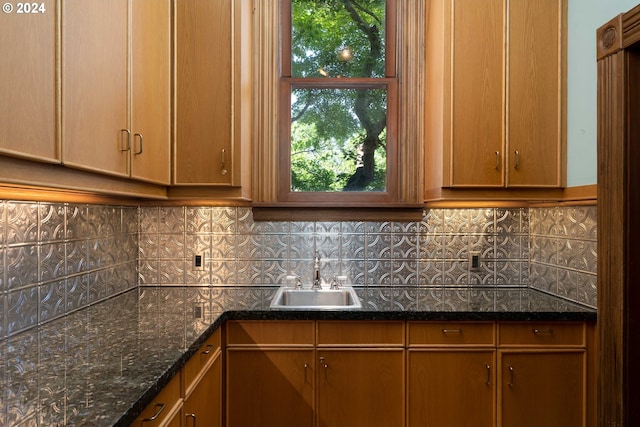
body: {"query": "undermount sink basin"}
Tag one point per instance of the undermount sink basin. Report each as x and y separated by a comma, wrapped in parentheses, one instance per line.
(343, 298)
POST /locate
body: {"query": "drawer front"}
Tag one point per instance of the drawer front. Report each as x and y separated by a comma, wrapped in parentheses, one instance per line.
(270, 332)
(451, 333)
(541, 334)
(201, 358)
(163, 406)
(361, 333)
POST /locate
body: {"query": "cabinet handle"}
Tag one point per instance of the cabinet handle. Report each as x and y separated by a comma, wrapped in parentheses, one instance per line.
(452, 331)
(208, 350)
(306, 365)
(223, 168)
(510, 383)
(517, 165)
(488, 374)
(191, 416)
(497, 160)
(326, 369)
(159, 408)
(139, 150)
(128, 144)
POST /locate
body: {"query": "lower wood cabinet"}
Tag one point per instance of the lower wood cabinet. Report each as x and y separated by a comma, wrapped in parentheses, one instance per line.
(542, 389)
(193, 397)
(202, 407)
(385, 373)
(451, 374)
(270, 387)
(360, 388)
(544, 375)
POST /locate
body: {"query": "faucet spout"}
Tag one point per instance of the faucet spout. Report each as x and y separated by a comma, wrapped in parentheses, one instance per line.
(316, 272)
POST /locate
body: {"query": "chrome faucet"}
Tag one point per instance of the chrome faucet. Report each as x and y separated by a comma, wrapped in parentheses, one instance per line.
(316, 272)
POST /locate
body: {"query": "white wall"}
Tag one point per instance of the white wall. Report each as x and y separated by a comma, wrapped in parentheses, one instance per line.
(585, 16)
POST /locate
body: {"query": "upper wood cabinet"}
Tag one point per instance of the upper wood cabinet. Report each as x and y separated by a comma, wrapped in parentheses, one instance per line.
(116, 87)
(28, 88)
(499, 118)
(212, 103)
(151, 90)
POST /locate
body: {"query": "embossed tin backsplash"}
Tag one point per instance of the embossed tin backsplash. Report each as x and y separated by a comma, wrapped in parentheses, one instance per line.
(553, 249)
(58, 257)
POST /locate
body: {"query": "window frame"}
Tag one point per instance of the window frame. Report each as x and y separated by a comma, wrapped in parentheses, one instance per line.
(288, 83)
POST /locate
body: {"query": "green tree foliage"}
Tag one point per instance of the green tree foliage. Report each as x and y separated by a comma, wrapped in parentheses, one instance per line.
(338, 136)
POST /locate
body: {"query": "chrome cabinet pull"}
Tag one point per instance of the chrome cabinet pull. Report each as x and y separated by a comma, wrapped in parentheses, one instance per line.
(543, 331)
(208, 350)
(510, 383)
(139, 150)
(306, 365)
(488, 374)
(159, 408)
(128, 144)
(193, 416)
(452, 331)
(497, 160)
(517, 165)
(223, 168)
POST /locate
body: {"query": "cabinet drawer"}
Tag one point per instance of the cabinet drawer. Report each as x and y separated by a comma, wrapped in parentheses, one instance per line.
(200, 359)
(541, 334)
(451, 333)
(271, 332)
(163, 407)
(358, 334)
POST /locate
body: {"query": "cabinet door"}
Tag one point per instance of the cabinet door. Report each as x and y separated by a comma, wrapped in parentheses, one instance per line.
(360, 388)
(28, 88)
(95, 84)
(151, 90)
(204, 82)
(477, 94)
(451, 388)
(542, 389)
(535, 76)
(203, 407)
(270, 388)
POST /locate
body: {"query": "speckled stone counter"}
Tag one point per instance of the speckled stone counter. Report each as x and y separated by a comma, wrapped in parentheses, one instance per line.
(102, 365)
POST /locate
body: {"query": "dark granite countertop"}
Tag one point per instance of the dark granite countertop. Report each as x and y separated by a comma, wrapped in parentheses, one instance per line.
(102, 365)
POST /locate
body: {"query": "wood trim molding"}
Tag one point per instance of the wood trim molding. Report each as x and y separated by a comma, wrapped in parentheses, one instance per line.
(618, 232)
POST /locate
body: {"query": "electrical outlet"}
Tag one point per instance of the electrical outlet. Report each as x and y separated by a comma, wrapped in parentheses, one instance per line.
(198, 262)
(474, 261)
(197, 312)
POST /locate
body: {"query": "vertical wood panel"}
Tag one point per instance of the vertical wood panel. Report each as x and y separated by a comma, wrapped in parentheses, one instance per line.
(28, 89)
(535, 93)
(478, 88)
(95, 77)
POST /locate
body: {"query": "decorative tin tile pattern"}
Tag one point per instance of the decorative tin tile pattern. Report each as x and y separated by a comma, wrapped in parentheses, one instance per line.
(56, 257)
(563, 258)
(53, 254)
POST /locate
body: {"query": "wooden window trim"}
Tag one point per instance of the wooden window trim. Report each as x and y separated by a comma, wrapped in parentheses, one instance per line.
(409, 55)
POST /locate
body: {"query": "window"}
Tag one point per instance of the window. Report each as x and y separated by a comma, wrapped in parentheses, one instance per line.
(294, 85)
(338, 101)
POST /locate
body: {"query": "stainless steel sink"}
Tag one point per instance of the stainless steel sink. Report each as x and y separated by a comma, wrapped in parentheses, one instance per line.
(343, 298)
